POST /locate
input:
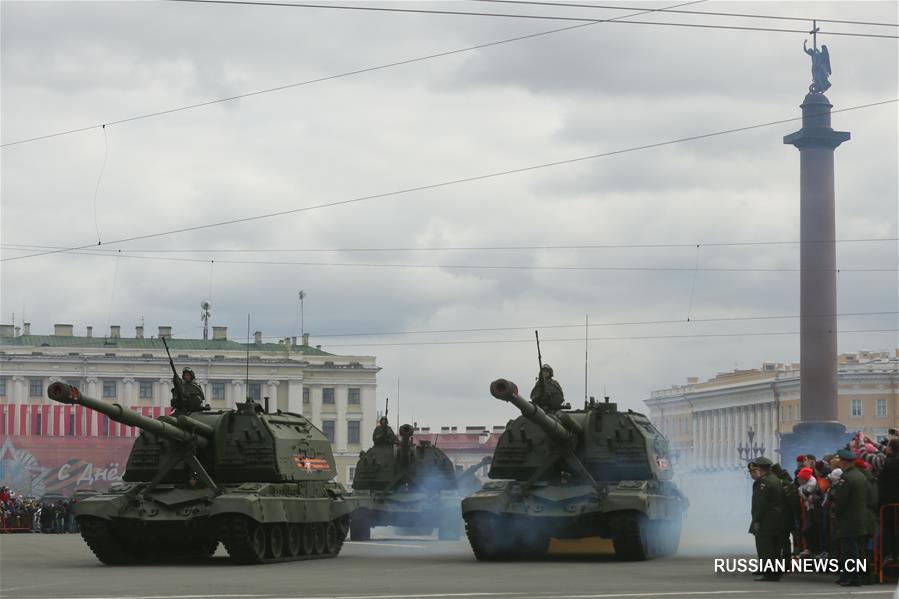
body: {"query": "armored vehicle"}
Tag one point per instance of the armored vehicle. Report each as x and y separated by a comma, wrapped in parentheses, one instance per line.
(259, 483)
(410, 485)
(570, 474)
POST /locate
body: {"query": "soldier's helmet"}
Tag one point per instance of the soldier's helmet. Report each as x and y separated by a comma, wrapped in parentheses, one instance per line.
(188, 369)
(549, 368)
(383, 421)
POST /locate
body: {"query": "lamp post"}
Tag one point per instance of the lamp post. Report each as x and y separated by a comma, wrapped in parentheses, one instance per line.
(750, 450)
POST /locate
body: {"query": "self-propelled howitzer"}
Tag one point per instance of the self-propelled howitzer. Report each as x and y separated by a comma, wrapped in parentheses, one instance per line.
(259, 483)
(569, 474)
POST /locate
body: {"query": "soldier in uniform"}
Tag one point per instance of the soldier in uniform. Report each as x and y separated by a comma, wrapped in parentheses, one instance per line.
(547, 393)
(850, 505)
(187, 395)
(792, 512)
(383, 434)
(768, 522)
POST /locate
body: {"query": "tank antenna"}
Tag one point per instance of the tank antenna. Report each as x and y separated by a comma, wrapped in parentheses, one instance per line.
(586, 347)
(397, 402)
(248, 358)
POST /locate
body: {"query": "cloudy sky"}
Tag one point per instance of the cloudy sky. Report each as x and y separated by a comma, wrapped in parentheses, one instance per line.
(582, 92)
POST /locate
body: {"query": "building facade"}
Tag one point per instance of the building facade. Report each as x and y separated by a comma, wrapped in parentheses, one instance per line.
(336, 393)
(708, 422)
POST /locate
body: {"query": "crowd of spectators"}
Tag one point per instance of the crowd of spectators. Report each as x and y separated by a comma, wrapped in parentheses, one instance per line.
(27, 514)
(818, 505)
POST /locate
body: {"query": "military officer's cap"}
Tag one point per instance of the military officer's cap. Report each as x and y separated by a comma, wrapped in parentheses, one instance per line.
(845, 454)
(762, 461)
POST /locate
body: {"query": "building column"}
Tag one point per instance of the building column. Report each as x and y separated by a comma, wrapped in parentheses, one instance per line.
(235, 393)
(128, 392)
(18, 391)
(340, 397)
(163, 396)
(295, 396)
(694, 435)
(272, 394)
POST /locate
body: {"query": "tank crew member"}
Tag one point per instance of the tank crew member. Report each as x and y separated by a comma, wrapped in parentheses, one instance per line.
(547, 393)
(187, 395)
(768, 522)
(850, 504)
(384, 435)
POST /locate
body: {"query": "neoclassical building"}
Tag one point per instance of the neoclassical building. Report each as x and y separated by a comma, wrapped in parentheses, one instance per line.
(706, 422)
(337, 393)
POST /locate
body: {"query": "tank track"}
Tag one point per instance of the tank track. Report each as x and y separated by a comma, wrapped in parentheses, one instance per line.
(637, 538)
(248, 542)
(500, 537)
(108, 549)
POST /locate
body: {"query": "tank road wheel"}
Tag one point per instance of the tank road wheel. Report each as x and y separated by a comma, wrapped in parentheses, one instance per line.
(98, 535)
(294, 540)
(307, 539)
(244, 539)
(318, 538)
(360, 529)
(631, 537)
(487, 536)
(275, 534)
(332, 544)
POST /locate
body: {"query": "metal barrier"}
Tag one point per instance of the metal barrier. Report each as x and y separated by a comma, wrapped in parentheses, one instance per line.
(880, 563)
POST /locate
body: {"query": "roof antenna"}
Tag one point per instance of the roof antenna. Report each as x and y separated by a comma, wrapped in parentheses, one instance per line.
(586, 347)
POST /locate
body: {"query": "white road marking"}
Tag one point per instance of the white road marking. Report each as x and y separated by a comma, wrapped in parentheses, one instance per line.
(367, 544)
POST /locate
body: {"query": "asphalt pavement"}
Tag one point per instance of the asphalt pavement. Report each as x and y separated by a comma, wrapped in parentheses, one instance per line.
(390, 567)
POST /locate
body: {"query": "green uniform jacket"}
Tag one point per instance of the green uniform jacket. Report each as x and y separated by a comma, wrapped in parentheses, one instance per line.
(871, 501)
(768, 506)
(552, 398)
(384, 435)
(851, 504)
(791, 504)
(187, 397)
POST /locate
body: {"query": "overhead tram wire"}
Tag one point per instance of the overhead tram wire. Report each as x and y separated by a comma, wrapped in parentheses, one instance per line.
(524, 16)
(441, 184)
(581, 339)
(335, 76)
(579, 325)
(675, 10)
(591, 246)
(523, 267)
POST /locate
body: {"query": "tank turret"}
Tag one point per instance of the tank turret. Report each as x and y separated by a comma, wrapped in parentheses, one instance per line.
(568, 474)
(260, 483)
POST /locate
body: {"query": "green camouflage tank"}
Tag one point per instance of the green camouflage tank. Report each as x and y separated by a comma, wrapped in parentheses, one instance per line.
(571, 474)
(261, 484)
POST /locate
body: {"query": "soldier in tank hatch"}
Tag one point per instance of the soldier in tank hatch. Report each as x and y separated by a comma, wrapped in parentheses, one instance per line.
(384, 435)
(547, 393)
(187, 395)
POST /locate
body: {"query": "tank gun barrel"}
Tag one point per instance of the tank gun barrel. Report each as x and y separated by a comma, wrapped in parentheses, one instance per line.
(508, 391)
(182, 432)
(473, 468)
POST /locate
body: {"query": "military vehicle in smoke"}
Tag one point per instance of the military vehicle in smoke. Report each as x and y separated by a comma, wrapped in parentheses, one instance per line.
(259, 483)
(570, 474)
(408, 485)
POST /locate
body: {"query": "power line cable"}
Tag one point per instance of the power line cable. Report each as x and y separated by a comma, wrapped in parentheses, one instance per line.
(441, 184)
(524, 16)
(525, 267)
(332, 77)
(592, 325)
(581, 339)
(590, 246)
(675, 10)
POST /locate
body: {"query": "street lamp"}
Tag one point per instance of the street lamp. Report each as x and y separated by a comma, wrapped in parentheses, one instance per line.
(750, 451)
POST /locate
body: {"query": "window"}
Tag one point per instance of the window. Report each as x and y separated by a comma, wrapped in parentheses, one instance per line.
(218, 391)
(789, 412)
(352, 431)
(856, 408)
(70, 430)
(256, 391)
(328, 429)
(881, 410)
(109, 389)
(305, 395)
(38, 424)
(354, 396)
(36, 387)
(146, 390)
(351, 474)
(328, 395)
(2, 387)
(105, 429)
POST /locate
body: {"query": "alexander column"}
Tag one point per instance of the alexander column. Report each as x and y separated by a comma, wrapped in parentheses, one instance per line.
(819, 431)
